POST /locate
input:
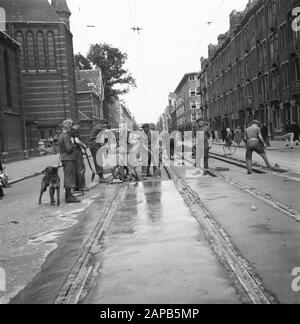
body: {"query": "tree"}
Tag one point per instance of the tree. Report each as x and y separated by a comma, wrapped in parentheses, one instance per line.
(117, 80)
(82, 63)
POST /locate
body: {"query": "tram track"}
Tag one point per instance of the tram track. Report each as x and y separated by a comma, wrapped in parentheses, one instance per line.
(257, 168)
(239, 269)
(254, 192)
(84, 268)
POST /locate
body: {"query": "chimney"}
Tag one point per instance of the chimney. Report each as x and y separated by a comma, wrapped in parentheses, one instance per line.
(235, 20)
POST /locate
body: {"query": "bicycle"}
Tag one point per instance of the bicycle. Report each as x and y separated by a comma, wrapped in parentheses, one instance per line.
(230, 149)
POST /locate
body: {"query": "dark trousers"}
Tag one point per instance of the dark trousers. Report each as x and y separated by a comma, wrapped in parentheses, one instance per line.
(69, 174)
(206, 155)
(255, 146)
(80, 170)
(94, 147)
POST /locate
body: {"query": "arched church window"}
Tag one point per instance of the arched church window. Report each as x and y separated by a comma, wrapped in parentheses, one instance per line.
(41, 50)
(20, 39)
(51, 51)
(30, 51)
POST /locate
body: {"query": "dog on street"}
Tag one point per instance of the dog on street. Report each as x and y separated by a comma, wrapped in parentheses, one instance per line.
(51, 179)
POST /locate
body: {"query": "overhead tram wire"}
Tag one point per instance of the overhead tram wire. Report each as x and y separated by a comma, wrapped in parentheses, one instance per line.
(137, 29)
(126, 39)
(206, 29)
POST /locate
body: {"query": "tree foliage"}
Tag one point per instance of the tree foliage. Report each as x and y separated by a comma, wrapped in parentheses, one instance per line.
(82, 63)
(117, 80)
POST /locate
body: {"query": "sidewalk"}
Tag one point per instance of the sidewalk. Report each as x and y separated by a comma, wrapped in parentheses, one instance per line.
(24, 169)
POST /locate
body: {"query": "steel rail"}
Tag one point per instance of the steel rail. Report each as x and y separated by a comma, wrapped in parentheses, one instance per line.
(239, 268)
(84, 268)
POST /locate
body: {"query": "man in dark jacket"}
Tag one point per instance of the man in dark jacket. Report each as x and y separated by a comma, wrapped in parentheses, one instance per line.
(68, 159)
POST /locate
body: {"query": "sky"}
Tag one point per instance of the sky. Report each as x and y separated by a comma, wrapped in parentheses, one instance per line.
(175, 36)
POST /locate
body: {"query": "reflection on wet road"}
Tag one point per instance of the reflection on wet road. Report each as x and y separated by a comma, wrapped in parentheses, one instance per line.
(155, 252)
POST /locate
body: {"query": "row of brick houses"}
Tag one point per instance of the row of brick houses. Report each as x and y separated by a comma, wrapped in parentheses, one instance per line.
(252, 73)
(39, 86)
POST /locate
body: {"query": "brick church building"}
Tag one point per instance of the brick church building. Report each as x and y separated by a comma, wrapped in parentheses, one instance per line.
(12, 123)
(42, 30)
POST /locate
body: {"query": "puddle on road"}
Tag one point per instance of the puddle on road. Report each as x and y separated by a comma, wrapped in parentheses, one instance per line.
(155, 252)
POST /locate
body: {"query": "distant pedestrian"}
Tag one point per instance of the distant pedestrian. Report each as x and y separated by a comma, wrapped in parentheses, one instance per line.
(255, 143)
(296, 130)
(229, 137)
(265, 134)
(213, 135)
(202, 127)
(224, 134)
(238, 136)
(68, 159)
(289, 135)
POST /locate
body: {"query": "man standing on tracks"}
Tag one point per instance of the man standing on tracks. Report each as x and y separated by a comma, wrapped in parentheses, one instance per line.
(94, 148)
(255, 143)
(202, 127)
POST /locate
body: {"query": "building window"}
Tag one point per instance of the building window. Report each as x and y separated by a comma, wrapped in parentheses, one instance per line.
(51, 51)
(30, 51)
(20, 39)
(7, 79)
(192, 93)
(41, 51)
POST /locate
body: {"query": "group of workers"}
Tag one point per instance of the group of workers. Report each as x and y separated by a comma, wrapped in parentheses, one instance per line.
(72, 152)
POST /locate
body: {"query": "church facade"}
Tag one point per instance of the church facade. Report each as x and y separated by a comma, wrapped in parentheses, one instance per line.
(46, 61)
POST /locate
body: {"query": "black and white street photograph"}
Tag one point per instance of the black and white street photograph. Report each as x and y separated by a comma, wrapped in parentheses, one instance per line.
(149, 155)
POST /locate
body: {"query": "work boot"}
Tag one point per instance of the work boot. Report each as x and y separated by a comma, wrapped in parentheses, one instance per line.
(102, 179)
(70, 199)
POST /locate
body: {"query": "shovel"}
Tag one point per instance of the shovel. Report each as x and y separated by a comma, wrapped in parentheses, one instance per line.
(90, 165)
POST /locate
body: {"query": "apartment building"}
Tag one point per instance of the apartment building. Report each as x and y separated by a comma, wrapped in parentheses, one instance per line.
(254, 70)
(188, 101)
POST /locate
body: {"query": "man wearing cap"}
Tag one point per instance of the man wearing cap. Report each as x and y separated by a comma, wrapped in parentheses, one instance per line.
(255, 143)
(94, 148)
(202, 127)
(68, 159)
(147, 164)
